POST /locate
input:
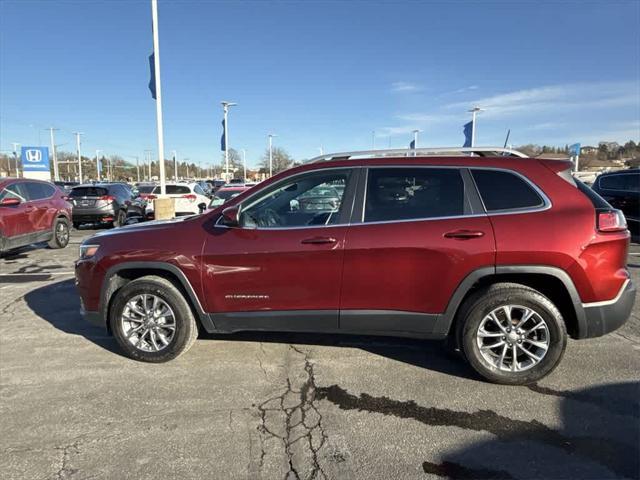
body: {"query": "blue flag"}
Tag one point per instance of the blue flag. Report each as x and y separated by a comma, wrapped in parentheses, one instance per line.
(223, 139)
(468, 132)
(152, 79)
(574, 150)
(412, 145)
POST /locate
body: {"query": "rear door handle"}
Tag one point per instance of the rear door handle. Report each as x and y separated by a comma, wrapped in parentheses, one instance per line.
(464, 234)
(318, 240)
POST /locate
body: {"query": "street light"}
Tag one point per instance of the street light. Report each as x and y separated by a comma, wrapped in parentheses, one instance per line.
(15, 156)
(474, 111)
(271, 135)
(225, 109)
(97, 165)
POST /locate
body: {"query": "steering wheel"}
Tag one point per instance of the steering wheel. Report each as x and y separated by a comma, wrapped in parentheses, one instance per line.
(269, 218)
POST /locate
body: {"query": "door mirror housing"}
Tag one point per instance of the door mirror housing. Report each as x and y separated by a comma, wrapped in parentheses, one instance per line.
(231, 216)
(10, 202)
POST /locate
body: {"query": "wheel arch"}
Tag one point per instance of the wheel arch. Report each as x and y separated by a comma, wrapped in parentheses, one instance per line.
(552, 282)
(121, 274)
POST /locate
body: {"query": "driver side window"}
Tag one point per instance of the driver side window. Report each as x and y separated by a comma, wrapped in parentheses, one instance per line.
(309, 200)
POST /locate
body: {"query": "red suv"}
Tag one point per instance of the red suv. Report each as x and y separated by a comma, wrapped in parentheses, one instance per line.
(32, 211)
(505, 256)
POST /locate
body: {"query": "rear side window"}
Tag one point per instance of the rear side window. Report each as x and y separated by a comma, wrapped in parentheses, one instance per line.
(502, 190)
(39, 191)
(88, 192)
(413, 193)
(198, 189)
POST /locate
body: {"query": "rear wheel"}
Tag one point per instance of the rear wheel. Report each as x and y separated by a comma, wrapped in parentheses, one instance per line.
(61, 234)
(121, 219)
(152, 321)
(512, 334)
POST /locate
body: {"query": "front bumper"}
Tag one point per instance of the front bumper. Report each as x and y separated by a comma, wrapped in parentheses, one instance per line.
(94, 318)
(605, 317)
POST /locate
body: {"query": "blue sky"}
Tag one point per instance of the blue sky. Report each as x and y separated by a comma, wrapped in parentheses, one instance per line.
(318, 73)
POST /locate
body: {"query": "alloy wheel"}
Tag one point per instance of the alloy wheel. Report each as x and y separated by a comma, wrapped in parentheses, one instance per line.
(62, 233)
(513, 338)
(148, 323)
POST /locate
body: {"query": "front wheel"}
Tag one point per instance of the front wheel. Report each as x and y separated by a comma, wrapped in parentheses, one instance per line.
(121, 219)
(60, 238)
(152, 321)
(512, 334)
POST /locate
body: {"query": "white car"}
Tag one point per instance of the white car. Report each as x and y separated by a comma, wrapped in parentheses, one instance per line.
(189, 198)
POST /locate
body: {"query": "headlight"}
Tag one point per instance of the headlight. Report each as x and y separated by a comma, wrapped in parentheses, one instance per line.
(88, 251)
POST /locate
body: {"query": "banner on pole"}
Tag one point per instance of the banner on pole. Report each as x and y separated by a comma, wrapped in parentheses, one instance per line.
(223, 139)
(468, 132)
(152, 78)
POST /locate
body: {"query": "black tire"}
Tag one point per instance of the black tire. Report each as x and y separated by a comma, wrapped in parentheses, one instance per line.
(186, 329)
(481, 303)
(61, 234)
(121, 219)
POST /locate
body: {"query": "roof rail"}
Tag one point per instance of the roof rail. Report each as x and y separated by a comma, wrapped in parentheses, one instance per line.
(410, 152)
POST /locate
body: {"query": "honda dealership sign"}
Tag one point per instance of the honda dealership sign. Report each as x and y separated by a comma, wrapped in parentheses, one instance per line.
(35, 163)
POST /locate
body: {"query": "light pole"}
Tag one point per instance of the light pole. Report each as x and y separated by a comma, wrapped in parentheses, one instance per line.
(156, 64)
(77, 134)
(415, 140)
(15, 157)
(474, 111)
(225, 110)
(97, 166)
(271, 135)
(373, 139)
(147, 159)
(244, 164)
(138, 168)
(56, 173)
(175, 165)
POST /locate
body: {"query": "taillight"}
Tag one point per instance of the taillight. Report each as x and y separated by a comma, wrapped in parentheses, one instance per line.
(108, 198)
(191, 197)
(147, 196)
(611, 221)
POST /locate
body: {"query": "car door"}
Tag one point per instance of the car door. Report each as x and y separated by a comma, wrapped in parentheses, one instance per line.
(281, 268)
(39, 208)
(15, 219)
(417, 232)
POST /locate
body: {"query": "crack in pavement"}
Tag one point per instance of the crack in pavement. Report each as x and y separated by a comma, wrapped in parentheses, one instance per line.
(615, 455)
(294, 420)
(65, 471)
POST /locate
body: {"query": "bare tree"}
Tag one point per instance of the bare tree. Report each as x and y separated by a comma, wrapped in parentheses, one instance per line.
(281, 160)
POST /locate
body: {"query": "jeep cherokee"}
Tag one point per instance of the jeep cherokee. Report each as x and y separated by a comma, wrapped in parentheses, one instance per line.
(502, 255)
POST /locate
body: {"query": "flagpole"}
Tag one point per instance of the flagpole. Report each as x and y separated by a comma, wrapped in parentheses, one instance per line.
(156, 52)
(474, 111)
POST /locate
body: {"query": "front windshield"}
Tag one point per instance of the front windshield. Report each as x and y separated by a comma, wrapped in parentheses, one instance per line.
(221, 198)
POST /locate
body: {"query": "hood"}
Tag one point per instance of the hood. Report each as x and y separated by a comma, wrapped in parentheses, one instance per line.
(140, 227)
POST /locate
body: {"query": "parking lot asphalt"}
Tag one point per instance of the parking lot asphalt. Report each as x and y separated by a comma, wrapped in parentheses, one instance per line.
(264, 406)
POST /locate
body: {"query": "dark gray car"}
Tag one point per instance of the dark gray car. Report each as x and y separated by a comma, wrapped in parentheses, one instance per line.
(110, 203)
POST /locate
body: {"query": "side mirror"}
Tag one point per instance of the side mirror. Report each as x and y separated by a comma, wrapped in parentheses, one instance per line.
(10, 202)
(231, 216)
(202, 207)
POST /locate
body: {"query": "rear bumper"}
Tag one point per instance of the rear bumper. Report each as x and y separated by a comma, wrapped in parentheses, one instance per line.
(604, 317)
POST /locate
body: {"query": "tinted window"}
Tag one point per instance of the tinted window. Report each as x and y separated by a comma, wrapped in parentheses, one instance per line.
(198, 190)
(175, 189)
(146, 188)
(39, 191)
(15, 190)
(88, 192)
(628, 182)
(292, 203)
(406, 193)
(505, 191)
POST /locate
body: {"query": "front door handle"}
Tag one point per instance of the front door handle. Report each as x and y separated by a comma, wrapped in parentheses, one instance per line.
(318, 240)
(464, 234)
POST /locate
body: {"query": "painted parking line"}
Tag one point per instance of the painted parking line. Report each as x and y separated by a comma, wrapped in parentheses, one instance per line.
(35, 274)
